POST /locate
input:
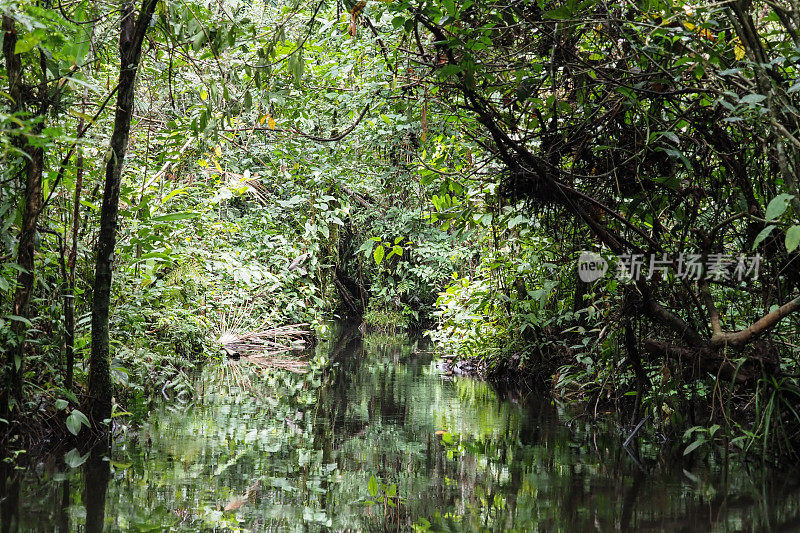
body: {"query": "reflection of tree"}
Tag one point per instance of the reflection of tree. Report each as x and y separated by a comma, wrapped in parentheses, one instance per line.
(96, 472)
(9, 498)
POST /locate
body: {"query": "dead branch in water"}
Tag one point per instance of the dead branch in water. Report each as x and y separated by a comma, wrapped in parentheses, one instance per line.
(263, 344)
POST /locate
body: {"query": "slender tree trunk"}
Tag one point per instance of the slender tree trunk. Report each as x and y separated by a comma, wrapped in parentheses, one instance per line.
(69, 296)
(30, 214)
(130, 48)
(25, 260)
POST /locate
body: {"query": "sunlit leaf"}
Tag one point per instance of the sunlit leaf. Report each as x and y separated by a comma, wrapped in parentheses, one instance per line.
(378, 254)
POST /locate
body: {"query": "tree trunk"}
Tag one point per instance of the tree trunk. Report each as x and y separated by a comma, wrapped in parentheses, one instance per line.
(130, 48)
(69, 296)
(30, 214)
(25, 260)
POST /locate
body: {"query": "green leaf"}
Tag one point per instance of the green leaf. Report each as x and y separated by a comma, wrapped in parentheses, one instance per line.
(752, 99)
(367, 247)
(26, 44)
(693, 446)
(175, 216)
(372, 486)
(450, 70)
(17, 318)
(563, 12)
(90, 205)
(792, 238)
(763, 235)
(155, 255)
(777, 206)
(378, 254)
(75, 420)
(74, 459)
(198, 40)
(61, 404)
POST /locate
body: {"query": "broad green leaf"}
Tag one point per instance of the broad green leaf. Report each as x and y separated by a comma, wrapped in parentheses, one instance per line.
(777, 206)
(75, 420)
(563, 12)
(693, 446)
(763, 235)
(175, 216)
(198, 40)
(792, 238)
(17, 318)
(378, 254)
(450, 70)
(752, 99)
(372, 486)
(367, 247)
(27, 43)
(174, 193)
(155, 255)
(61, 404)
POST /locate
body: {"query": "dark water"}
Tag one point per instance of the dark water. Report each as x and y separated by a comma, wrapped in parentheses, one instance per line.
(382, 442)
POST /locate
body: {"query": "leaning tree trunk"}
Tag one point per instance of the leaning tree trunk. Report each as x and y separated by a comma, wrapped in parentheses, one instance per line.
(130, 49)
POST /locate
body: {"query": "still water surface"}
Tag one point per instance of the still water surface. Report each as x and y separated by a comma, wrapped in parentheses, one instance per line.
(383, 441)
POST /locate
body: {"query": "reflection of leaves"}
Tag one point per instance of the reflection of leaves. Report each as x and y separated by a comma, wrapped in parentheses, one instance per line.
(283, 484)
(74, 459)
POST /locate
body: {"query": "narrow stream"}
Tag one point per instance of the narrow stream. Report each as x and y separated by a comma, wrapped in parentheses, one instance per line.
(383, 441)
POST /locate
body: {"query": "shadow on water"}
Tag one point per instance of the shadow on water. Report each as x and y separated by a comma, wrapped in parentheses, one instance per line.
(375, 437)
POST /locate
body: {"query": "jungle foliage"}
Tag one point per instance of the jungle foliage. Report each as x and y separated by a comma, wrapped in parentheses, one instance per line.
(425, 165)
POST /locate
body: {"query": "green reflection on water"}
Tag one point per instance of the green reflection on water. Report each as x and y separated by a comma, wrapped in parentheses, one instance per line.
(382, 441)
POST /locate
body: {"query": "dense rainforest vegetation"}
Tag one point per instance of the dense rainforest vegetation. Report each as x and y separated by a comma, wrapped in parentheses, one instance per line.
(183, 181)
